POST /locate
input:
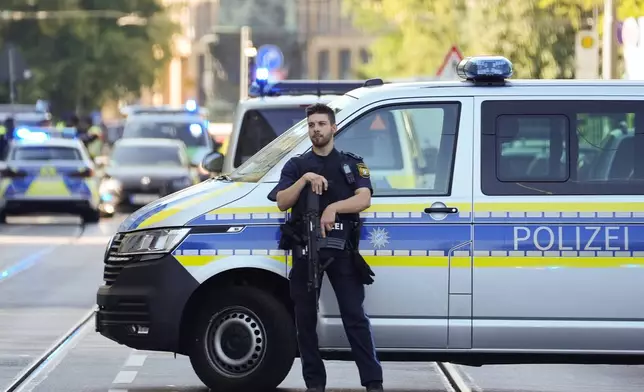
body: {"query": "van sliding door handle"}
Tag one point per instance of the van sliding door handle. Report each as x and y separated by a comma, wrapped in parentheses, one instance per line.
(441, 210)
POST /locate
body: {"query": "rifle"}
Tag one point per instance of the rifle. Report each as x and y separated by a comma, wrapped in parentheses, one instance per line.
(315, 242)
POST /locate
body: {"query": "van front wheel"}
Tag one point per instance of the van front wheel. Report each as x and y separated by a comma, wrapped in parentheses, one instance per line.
(244, 340)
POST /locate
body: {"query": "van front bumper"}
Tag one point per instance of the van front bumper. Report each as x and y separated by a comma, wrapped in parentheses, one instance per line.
(141, 305)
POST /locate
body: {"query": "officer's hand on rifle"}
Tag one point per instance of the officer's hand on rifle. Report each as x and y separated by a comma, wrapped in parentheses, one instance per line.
(318, 183)
(327, 220)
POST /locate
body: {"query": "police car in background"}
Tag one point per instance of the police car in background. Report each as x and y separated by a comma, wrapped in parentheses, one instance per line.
(187, 124)
(506, 226)
(25, 114)
(140, 171)
(272, 109)
(48, 171)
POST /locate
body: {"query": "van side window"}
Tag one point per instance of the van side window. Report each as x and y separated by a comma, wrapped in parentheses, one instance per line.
(562, 147)
(524, 144)
(409, 149)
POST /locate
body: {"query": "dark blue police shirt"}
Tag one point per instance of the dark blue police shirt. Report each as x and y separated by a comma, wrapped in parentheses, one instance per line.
(330, 167)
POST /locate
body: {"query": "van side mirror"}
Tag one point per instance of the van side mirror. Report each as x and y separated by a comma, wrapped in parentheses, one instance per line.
(213, 162)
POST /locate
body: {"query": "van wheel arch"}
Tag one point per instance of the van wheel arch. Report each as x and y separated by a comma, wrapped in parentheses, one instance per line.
(255, 298)
(254, 277)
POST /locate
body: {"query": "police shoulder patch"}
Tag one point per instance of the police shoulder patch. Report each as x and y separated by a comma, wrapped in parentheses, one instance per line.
(363, 170)
(352, 155)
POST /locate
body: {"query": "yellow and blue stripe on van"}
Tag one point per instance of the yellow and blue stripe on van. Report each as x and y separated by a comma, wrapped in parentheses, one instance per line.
(534, 235)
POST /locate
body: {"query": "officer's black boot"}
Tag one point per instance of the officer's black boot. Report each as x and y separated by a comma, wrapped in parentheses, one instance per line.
(315, 389)
(375, 387)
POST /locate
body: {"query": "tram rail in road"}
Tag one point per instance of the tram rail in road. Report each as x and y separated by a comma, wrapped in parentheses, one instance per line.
(58, 348)
(452, 377)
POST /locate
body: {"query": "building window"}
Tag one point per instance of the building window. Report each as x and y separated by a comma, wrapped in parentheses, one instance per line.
(324, 17)
(323, 65)
(365, 56)
(345, 64)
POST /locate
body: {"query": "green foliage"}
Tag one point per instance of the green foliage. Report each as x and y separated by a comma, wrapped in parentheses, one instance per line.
(83, 61)
(538, 36)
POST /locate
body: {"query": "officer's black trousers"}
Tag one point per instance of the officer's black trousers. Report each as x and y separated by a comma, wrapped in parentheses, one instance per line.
(350, 293)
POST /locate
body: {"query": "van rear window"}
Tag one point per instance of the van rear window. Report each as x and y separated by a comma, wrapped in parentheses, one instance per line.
(46, 153)
(260, 127)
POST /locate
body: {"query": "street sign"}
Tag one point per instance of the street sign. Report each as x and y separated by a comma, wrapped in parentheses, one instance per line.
(447, 71)
(587, 55)
(633, 41)
(270, 57)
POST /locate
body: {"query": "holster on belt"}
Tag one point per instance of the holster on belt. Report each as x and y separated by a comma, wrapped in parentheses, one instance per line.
(290, 237)
(365, 272)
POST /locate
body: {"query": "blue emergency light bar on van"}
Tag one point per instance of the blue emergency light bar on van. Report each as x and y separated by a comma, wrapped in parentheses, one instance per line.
(484, 69)
(303, 87)
(41, 134)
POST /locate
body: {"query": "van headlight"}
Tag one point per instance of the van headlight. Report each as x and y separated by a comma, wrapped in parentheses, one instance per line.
(151, 241)
(109, 185)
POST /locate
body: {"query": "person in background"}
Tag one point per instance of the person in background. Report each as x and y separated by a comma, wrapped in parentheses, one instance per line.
(6, 136)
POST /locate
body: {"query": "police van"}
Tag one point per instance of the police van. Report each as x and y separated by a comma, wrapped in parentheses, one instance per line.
(507, 226)
(271, 109)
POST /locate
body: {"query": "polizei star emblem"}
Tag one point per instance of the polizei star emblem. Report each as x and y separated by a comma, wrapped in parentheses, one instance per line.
(379, 238)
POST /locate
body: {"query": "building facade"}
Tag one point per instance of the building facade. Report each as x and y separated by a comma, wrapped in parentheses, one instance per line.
(178, 82)
(328, 46)
(334, 47)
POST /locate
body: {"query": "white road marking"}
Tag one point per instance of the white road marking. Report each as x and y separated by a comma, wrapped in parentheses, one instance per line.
(125, 377)
(117, 390)
(135, 360)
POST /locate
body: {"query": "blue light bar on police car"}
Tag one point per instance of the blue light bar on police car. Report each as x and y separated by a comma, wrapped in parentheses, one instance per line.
(484, 68)
(191, 105)
(304, 87)
(30, 135)
(40, 134)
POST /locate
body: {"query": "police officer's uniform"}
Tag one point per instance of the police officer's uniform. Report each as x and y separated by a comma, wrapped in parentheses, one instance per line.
(345, 173)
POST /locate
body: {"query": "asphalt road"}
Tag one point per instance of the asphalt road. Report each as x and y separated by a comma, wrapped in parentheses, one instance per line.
(50, 269)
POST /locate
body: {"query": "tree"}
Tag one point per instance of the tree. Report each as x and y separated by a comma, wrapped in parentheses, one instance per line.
(415, 35)
(574, 10)
(83, 61)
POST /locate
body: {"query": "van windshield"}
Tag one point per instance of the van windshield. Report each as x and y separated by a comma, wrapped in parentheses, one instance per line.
(259, 164)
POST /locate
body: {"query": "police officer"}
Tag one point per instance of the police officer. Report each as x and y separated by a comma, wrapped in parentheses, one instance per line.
(6, 136)
(342, 181)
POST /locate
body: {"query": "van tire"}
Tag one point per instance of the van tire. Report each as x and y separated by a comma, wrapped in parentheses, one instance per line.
(250, 312)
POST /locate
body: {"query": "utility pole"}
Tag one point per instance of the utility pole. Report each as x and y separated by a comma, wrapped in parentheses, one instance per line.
(609, 47)
(12, 81)
(244, 43)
